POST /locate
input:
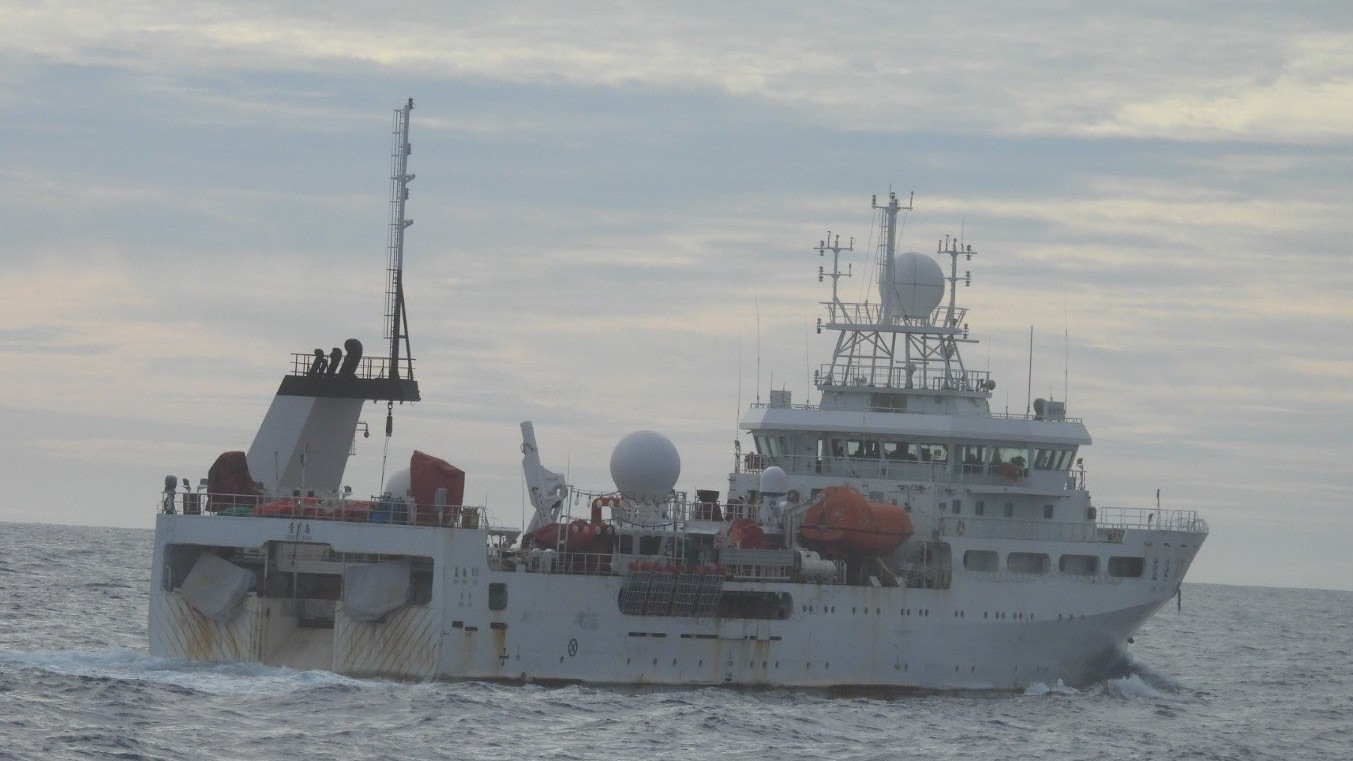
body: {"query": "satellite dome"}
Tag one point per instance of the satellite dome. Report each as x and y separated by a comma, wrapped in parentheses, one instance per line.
(774, 481)
(400, 483)
(917, 286)
(645, 466)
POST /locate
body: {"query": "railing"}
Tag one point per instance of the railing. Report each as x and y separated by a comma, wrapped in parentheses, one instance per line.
(1109, 526)
(1017, 528)
(851, 467)
(573, 563)
(868, 314)
(376, 510)
(874, 408)
(883, 376)
(367, 367)
(1151, 519)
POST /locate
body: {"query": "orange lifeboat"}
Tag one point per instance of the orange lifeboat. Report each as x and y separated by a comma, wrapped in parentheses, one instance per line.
(843, 521)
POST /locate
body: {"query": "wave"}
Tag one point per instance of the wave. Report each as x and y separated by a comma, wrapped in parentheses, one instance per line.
(1133, 686)
(1038, 688)
(209, 678)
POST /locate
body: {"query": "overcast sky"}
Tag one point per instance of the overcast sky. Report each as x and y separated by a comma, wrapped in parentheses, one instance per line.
(609, 202)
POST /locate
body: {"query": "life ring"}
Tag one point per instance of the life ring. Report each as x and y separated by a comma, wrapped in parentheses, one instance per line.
(1011, 471)
(959, 528)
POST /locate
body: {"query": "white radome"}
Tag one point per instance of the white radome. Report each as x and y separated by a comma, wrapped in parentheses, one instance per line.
(645, 466)
(917, 287)
(400, 483)
(774, 481)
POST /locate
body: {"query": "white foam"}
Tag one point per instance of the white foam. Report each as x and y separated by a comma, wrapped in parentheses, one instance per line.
(1038, 688)
(212, 678)
(1133, 686)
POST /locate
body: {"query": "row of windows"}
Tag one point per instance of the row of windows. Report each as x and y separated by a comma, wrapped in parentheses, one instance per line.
(1039, 563)
(976, 458)
(979, 508)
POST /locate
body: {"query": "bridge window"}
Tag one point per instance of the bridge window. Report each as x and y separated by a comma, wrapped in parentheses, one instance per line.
(1053, 459)
(934, 452)
(973, 458)
(1017, 458)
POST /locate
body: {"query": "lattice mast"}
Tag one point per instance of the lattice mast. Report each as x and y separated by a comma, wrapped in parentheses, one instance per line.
(396, 317)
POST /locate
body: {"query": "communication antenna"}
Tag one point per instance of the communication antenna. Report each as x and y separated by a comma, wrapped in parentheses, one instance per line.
(1029, 393)
(832, 243)
(396, 317)
(756, 304)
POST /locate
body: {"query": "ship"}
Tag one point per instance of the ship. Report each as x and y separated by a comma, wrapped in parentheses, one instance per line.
(897, 534)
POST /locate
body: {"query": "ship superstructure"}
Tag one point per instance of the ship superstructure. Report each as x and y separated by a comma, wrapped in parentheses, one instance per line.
(896, 534)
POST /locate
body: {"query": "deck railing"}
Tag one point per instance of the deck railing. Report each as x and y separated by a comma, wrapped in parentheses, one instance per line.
(1151, 519)
(374, 510)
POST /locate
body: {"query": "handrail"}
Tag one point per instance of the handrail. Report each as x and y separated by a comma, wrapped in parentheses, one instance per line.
(375, 510)
(895, 410)
(1154, 519)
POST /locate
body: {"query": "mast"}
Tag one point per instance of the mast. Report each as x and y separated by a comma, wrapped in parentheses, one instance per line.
(396, 318)
(905, 344)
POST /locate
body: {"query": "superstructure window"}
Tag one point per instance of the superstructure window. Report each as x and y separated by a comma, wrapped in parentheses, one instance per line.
(1028, 562)
(497, 596)
(934, 452)
(1053, 459)
(1126, 567)
(974, 458)
(981, 560)
(1009, 461)
(1078, 565)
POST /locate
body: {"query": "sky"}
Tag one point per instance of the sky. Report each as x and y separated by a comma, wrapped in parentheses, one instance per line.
(615, 210)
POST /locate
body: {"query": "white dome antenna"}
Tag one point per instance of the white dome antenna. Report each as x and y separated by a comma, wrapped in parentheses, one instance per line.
(645, 466)
(912, 286)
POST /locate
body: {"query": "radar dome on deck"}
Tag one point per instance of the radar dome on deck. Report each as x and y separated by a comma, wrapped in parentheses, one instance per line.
(774, 481)
(916, 287)
(645, 466)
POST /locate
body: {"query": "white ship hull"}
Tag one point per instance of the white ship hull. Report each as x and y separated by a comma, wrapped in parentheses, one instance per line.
(987, 631)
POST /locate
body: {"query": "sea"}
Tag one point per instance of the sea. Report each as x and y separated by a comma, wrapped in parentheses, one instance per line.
(1232, 673)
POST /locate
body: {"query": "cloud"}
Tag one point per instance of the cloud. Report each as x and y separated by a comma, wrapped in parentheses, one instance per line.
(1050, 69)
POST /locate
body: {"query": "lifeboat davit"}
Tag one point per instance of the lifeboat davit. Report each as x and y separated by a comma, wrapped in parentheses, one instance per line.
(844, 521)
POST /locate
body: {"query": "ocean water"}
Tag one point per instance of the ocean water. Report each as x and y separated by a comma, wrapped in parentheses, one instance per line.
(1239, 673)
